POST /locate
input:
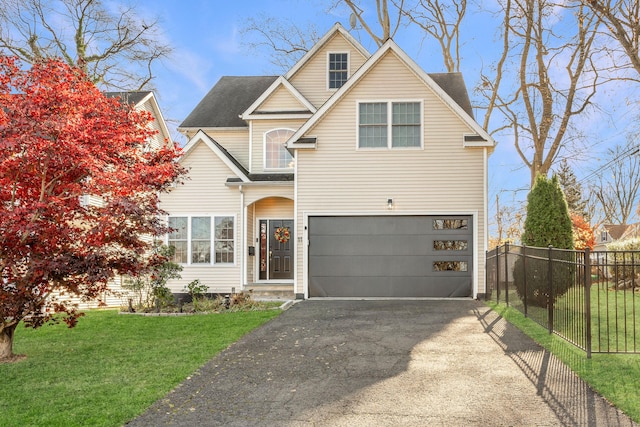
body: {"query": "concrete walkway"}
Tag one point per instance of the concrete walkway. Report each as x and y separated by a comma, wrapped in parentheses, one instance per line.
(384, 363)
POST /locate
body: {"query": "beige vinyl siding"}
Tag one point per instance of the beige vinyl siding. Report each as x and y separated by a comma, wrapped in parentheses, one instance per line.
(236, 142)
(311, 79)
(442, 177)
(158, 140)
(260, 127)
(205, 194)
(281, 100)
(255, 194)
(115, 297)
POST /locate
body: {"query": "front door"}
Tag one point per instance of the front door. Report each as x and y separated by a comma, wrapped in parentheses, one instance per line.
(276, 249)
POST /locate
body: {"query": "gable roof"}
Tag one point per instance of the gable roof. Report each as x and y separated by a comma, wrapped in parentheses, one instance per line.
(337, 28)
(279, 82)
(137, 98)
(616, 231)
(456, 105)
(242, 174)
(226, 101)
(220, 151)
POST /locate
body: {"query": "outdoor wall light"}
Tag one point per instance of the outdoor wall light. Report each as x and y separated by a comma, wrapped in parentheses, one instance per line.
(389, 204)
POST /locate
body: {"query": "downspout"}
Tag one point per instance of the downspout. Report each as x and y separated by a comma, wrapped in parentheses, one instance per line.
(243, 239)
(485, 202)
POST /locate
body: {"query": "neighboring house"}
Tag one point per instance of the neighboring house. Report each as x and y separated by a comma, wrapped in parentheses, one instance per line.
(352, 175)
(141, 101)
(610, 233)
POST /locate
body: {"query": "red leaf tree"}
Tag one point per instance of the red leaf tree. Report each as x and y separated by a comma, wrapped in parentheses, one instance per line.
(583, 236)
(62, 139)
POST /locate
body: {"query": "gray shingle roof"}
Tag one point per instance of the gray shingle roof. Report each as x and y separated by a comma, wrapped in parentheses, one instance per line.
(453, 84)
(232, 95)
(129, 97)
(229, 98)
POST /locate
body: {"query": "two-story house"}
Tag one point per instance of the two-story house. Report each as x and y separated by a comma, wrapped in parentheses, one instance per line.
(352, 175)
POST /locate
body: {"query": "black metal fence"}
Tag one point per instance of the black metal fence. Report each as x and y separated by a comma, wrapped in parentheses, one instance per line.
(589, 298)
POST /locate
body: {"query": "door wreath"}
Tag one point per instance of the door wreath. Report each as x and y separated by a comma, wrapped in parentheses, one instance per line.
(282, 234)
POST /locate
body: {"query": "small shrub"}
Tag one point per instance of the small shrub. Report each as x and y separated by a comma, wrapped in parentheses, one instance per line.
(196, 292)
(537, 277)
(151, 290)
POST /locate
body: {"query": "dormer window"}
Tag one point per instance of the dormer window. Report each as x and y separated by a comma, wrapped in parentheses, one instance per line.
(338, 69)
(276, 155)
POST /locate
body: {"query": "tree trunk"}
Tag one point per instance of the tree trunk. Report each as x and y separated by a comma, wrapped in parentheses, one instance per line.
(6, 342)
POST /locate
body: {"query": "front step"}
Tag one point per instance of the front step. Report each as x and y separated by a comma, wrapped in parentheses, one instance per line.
(262, 291)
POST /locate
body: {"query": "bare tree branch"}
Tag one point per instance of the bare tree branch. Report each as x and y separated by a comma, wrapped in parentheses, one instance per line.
(622, 19)
(546, 59)
(282, 40)
(441, 21)
(116, 50)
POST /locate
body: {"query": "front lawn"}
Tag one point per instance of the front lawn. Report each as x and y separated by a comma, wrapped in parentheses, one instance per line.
(110, 367)
(614, 376)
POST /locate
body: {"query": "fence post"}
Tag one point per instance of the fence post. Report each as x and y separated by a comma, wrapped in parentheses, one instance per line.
(524, 278)
(550, 299)
(498, 274)
(587, 300)
(506, 273)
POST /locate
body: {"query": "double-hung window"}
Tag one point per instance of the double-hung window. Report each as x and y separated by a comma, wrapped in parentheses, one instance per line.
(179, 238)
(389, 124)
(202, 240)
(338, 70)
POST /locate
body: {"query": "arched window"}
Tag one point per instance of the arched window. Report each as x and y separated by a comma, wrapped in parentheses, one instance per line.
(276, 155)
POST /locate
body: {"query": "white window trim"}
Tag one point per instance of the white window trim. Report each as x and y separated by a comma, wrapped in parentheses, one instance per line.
(264, 151)
(328, 71)
(389, 103)
(212, 255)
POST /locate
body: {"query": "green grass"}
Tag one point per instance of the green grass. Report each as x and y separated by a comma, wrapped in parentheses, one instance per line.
(614, 376)
(110, 367)
(615, 311)
(615, 317)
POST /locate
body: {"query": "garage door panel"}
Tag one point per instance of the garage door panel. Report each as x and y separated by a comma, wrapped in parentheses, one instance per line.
(361, 245)
(390, 256)
(394, 266)
(377, 286)
(384, 225)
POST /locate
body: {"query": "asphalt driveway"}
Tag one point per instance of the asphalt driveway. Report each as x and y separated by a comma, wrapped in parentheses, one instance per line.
(384, 363)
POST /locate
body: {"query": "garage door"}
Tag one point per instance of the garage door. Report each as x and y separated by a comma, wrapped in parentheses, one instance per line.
(390, 256)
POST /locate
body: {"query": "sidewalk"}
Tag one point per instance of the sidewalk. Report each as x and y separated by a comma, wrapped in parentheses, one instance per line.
(384, 363)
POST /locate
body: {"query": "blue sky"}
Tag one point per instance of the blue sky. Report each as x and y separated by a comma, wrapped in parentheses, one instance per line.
(208, 44)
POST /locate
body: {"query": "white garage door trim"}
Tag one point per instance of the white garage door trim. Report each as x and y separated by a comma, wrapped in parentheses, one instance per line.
(305, 246)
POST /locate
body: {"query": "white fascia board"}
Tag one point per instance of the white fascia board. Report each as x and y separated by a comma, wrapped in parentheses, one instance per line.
(337, 27)
(418, 71)
(201, 136)
(337, 95)
(415, 68)
(278, 116)
(160, 117)
(247, 114)
(486, 143)
(261, 184)
(186, 130)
